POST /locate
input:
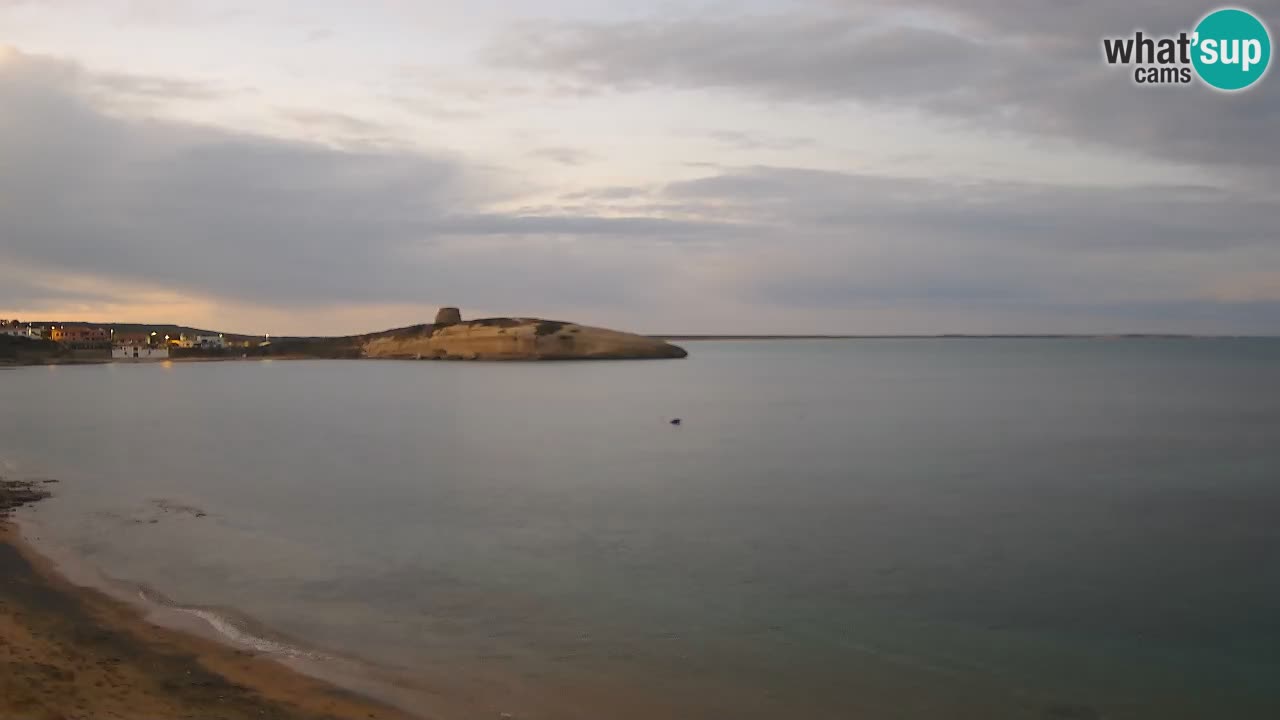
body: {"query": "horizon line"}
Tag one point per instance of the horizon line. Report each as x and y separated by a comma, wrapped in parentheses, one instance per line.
(760, 336)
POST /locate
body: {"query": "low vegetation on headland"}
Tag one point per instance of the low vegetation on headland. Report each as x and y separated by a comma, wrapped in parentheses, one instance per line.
(449, 337)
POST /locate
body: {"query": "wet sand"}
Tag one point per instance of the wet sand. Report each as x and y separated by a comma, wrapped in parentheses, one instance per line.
(71, 652)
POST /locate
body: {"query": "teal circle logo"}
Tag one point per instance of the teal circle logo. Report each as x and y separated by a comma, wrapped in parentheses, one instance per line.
(1232, 49)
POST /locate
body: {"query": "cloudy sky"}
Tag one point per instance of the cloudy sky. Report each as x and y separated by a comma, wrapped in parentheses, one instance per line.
(856, 166)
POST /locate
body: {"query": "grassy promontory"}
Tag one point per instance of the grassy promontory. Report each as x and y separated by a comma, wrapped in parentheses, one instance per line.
(451, 338)
(514, 339)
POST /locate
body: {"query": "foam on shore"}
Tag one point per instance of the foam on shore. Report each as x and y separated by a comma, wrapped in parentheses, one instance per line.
(231, 630)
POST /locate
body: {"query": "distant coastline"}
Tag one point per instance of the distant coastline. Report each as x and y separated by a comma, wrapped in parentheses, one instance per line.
(448, 337)
(961, 336)
(422, 342)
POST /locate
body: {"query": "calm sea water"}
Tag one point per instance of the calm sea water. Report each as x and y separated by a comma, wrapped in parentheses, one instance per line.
(877, 528)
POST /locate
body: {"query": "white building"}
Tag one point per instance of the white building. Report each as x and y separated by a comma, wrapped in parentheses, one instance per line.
(13, 328)
(201, 341)
(139, 351)
(210, 341)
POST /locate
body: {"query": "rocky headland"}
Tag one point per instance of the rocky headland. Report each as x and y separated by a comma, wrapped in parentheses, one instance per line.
(506, 338)
(449, 337)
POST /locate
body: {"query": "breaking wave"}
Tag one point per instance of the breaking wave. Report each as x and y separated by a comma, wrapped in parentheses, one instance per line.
(235, 631)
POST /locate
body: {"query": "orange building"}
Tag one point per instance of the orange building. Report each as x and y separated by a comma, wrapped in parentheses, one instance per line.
(80, 336)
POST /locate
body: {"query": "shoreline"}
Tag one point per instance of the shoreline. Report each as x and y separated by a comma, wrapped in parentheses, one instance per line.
(36, 361)
(76, 643)
(157, 361)
(71, 651)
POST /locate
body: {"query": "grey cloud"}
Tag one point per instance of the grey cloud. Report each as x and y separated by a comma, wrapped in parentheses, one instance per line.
(872, 241)
(333, 120)
(782, 57)
(616, 192)
(1191, 219)
(748, 141)
(157, 87)
(562, 155)
(646, 227)
(430, 108)
(19, 289)
(259, 219)
(1034, 67)
(286, 224)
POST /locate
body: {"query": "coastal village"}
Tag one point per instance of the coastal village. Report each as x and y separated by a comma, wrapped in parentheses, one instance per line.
(132, 344)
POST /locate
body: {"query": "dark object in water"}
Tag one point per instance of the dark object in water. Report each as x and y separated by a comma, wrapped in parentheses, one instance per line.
(1071, 712)
(675, 421)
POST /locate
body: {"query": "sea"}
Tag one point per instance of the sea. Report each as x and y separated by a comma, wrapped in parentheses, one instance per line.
(1052, 529)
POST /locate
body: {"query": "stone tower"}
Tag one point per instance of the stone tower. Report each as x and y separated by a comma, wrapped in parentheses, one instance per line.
(448, 316)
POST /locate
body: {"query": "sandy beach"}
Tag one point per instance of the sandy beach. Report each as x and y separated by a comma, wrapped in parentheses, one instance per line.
(72, 652)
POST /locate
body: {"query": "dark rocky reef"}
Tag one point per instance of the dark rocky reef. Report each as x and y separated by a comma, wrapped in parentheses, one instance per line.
(16, 493)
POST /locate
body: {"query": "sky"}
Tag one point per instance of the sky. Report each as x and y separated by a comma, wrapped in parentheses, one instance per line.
(757, 166)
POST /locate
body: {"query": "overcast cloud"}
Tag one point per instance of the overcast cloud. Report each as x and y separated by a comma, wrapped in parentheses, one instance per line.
(675, 172)
(1028, 66)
